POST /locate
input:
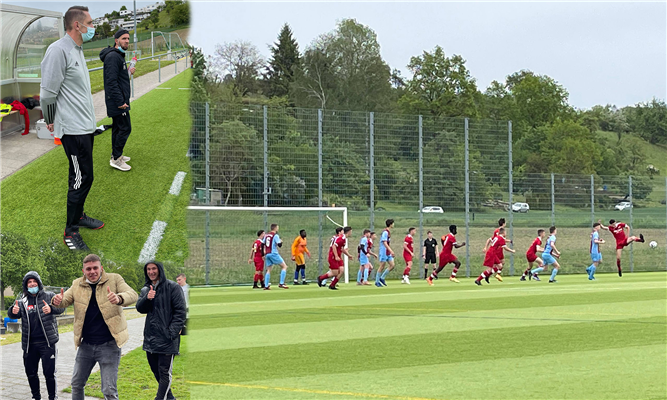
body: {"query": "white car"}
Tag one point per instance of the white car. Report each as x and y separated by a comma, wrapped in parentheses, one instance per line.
(520, 207)
(624, 205)
(432, 210)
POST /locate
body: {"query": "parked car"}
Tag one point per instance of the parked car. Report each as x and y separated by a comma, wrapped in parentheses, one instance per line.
(624, 205)
(520, 207)
(432, 209)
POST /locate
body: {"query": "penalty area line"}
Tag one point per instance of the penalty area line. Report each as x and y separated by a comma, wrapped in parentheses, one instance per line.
(311, 391)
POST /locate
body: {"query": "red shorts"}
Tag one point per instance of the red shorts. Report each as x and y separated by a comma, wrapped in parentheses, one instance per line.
(620, 245)
(407, 256)
(531, 257)
(334, 264)
(491, 260)
(259, 265)
(446, 259)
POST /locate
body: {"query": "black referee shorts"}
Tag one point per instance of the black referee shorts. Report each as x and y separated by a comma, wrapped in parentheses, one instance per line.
(430, 258)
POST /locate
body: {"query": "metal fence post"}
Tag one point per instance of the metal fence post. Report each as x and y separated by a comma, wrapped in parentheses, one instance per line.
(207, 229)
(132, 84)
(159, 69)
(511, 189)
(266, 167)
(632, 205)
(467, 196)
(176, 63)
(592, 200)
(666, 223)
(319, 186)
(371, 167)
(553, 202)
(421, 199)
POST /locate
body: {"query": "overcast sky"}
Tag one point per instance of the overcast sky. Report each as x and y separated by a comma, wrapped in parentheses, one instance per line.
(602, 52)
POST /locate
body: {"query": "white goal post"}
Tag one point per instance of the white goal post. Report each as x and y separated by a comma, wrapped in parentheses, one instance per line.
(291, 209)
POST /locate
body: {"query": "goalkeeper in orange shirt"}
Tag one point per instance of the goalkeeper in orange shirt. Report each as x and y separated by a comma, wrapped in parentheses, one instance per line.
(299, 247)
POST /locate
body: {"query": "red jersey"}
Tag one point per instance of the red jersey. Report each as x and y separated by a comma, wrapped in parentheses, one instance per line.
(495, 233)
(408, 240)
(258, 248)
(532, 250)
(448, 243)
(370, 244)
(338, 244)
(268, 242)
(619, 233)
(497, 245)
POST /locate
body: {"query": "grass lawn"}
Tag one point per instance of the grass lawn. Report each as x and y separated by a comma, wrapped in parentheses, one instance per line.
(143, 67)
(136, 381)
(34, 198)
(577, 339)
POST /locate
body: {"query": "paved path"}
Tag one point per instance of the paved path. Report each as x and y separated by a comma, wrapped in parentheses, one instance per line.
(14, 384)
(17, 151)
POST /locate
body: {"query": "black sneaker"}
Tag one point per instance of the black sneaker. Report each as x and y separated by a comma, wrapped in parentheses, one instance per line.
(90, 222)
(304, 282)
(296, 283)
(333, 287)
(319, 282)
(75, 242)
(478, 283)
(641, 238)
(486, 278)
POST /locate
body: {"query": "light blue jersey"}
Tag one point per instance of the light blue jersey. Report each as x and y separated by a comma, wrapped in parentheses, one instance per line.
(595, 247)
(363, 251)
(274, 241)
(550, 242)
(384, 239)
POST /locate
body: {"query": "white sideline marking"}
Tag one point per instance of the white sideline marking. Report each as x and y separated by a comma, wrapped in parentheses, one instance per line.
(163, 88)
(153, 242)
(177, 183)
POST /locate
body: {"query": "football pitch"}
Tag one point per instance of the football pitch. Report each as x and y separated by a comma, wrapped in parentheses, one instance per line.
(521, 340)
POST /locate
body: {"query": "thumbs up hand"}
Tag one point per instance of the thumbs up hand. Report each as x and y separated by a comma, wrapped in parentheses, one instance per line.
(151, 293)
(46, 309)
(57, 299)
(113, 297)
(16, 309)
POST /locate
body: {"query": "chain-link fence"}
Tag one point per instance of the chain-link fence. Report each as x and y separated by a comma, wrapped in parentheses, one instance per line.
(381, 166)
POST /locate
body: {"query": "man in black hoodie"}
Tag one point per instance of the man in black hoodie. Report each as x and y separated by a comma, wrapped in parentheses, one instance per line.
(39, 332)
(117, 96)
(164, 303)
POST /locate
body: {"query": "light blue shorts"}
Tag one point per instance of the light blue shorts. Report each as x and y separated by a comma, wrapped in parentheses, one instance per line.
(596, 257)
(386, 258)
(363, 260)
(548, 259)
(273, 259)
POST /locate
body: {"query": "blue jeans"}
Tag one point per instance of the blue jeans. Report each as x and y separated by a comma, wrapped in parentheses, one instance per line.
(108, 356)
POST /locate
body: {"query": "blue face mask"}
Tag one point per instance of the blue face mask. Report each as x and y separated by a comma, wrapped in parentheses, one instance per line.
(89, 34)
(121, 49)
(33, 290)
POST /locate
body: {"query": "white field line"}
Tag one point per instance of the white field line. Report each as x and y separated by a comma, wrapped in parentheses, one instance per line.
(157, 231)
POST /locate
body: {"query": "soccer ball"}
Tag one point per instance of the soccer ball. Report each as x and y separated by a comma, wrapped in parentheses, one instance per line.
(653, 244)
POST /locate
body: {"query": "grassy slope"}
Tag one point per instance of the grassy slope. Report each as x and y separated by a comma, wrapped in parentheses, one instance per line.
(34, 199)
(655, 154)
(579, 339)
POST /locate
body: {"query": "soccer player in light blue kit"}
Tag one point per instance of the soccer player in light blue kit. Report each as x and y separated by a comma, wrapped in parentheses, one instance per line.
(272, 242)
(386, 255)
(364, 261)
(596, 256)
(550, 251)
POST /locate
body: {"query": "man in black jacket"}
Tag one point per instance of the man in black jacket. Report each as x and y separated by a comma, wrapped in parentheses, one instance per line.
(39, 332)
(117, 97)
(164, 303)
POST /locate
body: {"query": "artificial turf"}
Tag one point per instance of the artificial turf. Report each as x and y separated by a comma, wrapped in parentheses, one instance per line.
(34, 198)
(520, 340)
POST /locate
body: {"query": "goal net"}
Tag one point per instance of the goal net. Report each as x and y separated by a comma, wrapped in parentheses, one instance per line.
(221, 238)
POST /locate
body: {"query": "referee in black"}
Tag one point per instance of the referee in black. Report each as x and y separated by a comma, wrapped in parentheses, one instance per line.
(429, 253)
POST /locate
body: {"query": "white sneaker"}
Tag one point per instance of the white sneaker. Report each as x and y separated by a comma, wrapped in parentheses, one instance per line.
(125, 158)
(407, 279)
(119, 164)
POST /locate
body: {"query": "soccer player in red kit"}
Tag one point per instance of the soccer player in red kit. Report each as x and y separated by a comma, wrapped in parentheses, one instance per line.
(531, 255)
(336, 263)
(501, 255)
(446, 256)
(620, 232)
(257, 256)
(491, 260)
(408, 253)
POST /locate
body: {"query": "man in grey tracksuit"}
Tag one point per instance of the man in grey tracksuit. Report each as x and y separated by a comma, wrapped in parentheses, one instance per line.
(67, 105)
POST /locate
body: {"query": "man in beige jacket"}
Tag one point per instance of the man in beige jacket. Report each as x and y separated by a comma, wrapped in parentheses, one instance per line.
(100, 328)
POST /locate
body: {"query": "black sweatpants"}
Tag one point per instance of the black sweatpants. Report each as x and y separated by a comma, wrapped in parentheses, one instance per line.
(120, 131)
(161, 365)
(36, 352)
(79, 151)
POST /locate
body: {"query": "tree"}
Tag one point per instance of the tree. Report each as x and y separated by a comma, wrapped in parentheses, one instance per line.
(241, 61)
(62, 264)
(123, 8)
(180, 14)
(285, 60)
(441, 86)
(649, 120)
(344, 69)
(18, 256)
(104, 30)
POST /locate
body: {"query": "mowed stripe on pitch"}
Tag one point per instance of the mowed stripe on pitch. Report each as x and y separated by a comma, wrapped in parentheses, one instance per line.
(418, 348)
(524, 376)
(315, 332)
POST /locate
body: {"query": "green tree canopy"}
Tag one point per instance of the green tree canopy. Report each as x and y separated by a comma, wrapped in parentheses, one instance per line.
(285, 59)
